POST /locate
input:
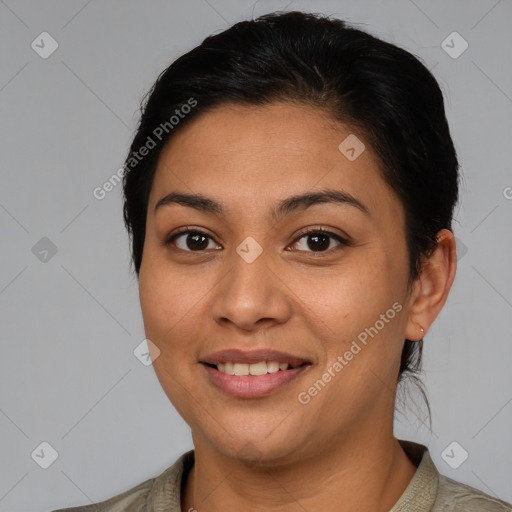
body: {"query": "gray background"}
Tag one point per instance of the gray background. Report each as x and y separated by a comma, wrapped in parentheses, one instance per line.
(69, 325)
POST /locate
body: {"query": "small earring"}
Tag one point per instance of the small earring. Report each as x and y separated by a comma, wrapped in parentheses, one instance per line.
(421, 329)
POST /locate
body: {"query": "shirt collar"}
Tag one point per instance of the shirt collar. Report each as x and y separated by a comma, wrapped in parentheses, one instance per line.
(421, 492)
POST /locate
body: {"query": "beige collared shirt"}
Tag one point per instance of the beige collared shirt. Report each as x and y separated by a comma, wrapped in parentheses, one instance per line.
(428, 491)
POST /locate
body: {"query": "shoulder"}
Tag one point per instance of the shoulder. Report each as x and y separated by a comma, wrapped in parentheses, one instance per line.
(131, 500)
(454, 496)
(430, 491)
(162, 491)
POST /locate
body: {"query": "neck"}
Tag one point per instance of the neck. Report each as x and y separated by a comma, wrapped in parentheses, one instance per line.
(344, 476)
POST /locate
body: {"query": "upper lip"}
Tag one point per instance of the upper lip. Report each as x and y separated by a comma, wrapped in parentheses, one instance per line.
(252, 356)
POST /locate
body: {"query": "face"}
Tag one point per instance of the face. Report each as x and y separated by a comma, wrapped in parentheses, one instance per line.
(274, 245)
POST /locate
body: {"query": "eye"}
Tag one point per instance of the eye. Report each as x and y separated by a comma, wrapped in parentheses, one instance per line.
(191, 240)
(316, 240)
(319, 240)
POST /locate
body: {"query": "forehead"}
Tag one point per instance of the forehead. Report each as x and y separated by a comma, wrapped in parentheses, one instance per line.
(246, 132)
(250, 155)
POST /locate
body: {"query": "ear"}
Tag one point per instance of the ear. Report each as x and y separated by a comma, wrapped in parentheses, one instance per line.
(431, 288)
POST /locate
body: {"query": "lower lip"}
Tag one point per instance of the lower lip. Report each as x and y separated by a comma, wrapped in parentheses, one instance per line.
(252, 386)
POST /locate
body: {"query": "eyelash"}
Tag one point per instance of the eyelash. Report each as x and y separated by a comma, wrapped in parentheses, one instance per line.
(315, 231)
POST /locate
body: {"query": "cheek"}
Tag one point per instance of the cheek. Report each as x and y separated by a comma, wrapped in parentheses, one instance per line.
(346, 300)
(169, 302)
(174, 304)
(167, 296)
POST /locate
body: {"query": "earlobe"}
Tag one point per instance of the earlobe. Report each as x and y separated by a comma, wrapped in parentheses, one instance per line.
(432, 287)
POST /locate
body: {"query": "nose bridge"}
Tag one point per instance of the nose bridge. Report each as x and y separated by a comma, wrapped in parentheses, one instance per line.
(250, 291)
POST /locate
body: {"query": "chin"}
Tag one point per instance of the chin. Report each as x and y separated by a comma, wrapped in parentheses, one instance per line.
(257, 448)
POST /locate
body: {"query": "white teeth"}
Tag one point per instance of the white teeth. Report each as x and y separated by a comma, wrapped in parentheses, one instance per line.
(261, 368)
(258, 368)
(272, 366)
(241, 369)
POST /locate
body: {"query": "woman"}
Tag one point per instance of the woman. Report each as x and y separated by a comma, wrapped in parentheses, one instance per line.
(289, 195)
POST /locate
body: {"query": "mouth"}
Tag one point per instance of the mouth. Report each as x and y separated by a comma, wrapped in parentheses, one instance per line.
(252, 374)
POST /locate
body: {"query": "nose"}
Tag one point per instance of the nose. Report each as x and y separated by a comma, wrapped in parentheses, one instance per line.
(251, 296)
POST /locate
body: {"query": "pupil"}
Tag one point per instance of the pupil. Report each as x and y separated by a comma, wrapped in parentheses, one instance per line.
(197, 241)
(321, 242)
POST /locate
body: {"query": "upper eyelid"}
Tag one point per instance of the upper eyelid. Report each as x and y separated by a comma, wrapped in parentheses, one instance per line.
(325, 230)
(187, 230)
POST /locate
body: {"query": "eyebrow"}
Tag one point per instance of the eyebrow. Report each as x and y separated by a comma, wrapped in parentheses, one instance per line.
(285, 207)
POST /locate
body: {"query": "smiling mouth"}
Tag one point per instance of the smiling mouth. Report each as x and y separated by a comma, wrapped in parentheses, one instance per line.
(253, 369)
